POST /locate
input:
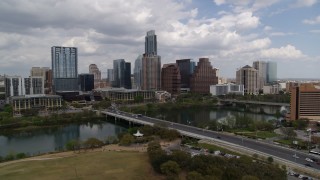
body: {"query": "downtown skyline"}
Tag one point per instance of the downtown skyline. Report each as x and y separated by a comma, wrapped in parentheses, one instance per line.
(231, 33)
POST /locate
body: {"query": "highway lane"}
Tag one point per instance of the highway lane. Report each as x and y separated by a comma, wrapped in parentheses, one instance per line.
(271, 149)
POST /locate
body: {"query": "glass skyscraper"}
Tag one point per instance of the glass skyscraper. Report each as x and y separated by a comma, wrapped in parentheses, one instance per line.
(64, 68)
(121, 74)
(151, 43)
(271, 71)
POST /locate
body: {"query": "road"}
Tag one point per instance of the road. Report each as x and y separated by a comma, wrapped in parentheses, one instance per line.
(264, 147)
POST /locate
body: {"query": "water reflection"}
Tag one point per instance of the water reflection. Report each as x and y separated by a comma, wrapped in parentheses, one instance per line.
(54, 138)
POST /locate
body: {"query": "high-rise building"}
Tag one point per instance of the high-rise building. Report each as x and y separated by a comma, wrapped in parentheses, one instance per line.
(248, 77)
(151, 64)
(151, 73)
(121, 74)
(14, 86)
(203, 77)
(305, 102)
(93, 69)
(137, 72)
(34, 85)
(110, 76)
(186, 67)
(151, 43)
(64, 68)
(2, 90)
(170, 78)
(46, 74)
(261, 66)
(271, 72)
(86, 82)
(223, 89)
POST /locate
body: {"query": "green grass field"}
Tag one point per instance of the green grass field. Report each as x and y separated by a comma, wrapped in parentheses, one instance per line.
(90, 165)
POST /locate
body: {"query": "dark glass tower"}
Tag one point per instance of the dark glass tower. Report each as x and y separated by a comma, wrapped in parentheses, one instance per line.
(151, 43)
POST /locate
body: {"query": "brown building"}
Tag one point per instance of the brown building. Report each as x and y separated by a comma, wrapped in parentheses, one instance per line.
(248, 77)
(46, 74)
(305, 102)
(203, 76)
(170, 78)
(151, 73)
(93, 69)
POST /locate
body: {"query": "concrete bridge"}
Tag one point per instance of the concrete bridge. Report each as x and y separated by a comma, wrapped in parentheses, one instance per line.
(232, 101)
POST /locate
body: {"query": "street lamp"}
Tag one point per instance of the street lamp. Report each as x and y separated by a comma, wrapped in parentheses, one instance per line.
(295, 153)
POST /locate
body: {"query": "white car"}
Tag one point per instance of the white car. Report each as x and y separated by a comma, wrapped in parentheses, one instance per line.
(295, 156)
(309, 160)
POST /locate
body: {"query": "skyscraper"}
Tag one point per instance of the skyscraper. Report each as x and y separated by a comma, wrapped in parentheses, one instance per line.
(151, 43)
(46, 73)
(261, 66)
(93, 69)
(170, 78)
(271, 71)
(203, 77)
(14, 86)
(186, 67)
(137, 72)
(110, 76)
(86, 82)
(64, 68)
(248, 77)
(151, 64)
(121, 74)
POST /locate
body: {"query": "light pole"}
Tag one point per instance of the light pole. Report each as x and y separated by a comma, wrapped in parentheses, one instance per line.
(295, 153)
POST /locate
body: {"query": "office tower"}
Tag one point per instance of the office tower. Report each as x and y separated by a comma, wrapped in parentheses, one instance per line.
(46, 73)
(261, 67)
(186, 67)
(271, 71)
(14, 86)
(305, 102)
(137, 72)
(2, 89)
(121, 74)
(151, 64)
(64, 68)
(170, 78)
(93, 69)
(248, 77)
(86, 82)
(34, 85)
(151, 43)
(110, 76)
(203, 77)
(151, 73)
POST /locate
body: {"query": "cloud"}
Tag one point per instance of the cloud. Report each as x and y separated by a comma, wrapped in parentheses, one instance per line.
(316, 20)
(315, 31)
(287, 52)
(304, 3)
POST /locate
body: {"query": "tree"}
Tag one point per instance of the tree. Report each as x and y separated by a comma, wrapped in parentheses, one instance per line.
(73, 145)
(93, 143)
(170, 168)
(138, 99)
(270, 159)
(126, 140)
(288, 132)
(249, 177)
(21, 155)
(300, 124)
(194, 175)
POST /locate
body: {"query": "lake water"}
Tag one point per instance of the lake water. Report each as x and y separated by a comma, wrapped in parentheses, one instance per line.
(54, 138)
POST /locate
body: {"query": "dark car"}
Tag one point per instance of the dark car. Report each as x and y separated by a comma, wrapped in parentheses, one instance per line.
(218, 137)
(309, 165)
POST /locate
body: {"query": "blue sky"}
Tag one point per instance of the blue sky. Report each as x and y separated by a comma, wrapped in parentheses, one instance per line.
(232, 33)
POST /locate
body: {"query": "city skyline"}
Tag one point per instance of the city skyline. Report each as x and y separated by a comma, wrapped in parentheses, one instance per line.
(231, 33)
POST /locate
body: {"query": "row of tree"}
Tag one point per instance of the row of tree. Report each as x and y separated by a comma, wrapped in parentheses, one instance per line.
(210, 167)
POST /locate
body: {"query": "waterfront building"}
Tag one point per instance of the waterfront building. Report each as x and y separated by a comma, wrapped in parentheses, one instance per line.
(34, 85)
(271, 72)
(223, 89)
(64, 68)
(121, 74)
(86, 82)
(93, 69)
(170, 78)
(272, 89)
(20, 103)
(126, 95)
(261, 67)
(46, 74)
(248, 77)
(305, 102)
(203, 76)
(186, 68)
(14, 86)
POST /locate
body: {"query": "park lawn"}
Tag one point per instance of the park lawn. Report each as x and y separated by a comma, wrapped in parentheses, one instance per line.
(90, 165)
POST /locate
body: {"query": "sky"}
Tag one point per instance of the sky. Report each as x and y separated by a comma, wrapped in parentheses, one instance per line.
(231, 33)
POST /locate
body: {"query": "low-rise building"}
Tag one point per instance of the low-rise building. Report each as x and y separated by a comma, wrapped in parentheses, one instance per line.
(128, 95)
(20, 103)
(223, 89)
(272, 89)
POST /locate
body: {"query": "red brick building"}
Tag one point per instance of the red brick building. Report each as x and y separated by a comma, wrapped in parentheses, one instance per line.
(171, 78)
(203, 76)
